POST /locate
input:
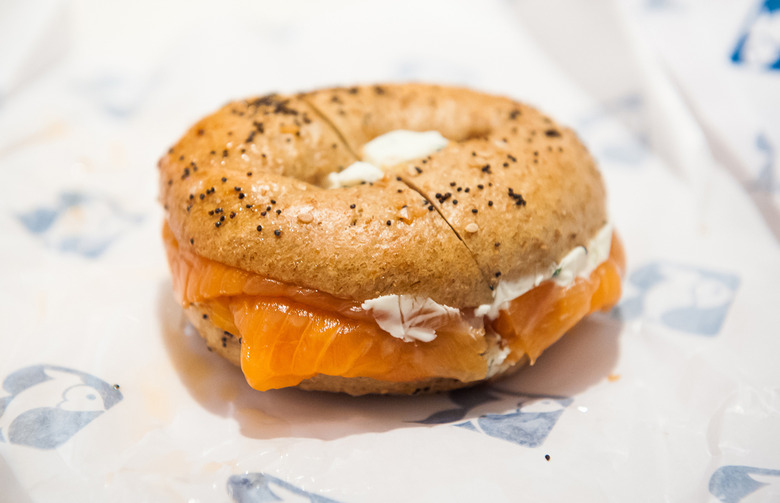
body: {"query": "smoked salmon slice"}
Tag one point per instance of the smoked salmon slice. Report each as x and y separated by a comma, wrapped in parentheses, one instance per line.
(289, 334)
(285, 343)
(534, 321)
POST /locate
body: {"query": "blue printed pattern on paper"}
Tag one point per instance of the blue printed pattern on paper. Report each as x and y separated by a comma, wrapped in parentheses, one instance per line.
(732, 484)
(622, 143)
(766, 181)
(759, 44)
(47, 405)
(262, 488)
(528, 424)
(684, 298)
(79, 223)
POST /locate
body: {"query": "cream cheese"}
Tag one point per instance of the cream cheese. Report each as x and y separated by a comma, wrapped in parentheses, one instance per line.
(355, 174)
(408, 317)
(401, 145)
(384, 151)
(579, 262)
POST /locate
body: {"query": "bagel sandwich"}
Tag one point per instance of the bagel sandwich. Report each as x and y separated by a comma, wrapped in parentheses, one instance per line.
(399, 238)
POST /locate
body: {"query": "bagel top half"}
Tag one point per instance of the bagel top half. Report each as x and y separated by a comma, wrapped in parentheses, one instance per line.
(510, 195)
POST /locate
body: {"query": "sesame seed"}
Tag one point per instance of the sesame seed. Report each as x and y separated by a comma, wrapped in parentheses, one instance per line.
(192, 241)
(241, 195)
(472, 228)
(277, 232)
(352, 206)
(474, 210)
(224, 179)
(305, 217)
(259, 228)
(388, 222)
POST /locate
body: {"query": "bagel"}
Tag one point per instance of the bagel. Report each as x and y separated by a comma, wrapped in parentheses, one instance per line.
(455, 259)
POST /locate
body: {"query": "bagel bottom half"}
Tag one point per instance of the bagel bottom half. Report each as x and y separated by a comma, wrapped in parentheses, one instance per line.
(217, 301)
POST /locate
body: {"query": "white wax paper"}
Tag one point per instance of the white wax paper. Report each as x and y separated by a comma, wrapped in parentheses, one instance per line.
(673, 396)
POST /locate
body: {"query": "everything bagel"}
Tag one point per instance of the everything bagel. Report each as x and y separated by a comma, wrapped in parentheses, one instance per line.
(438, 271)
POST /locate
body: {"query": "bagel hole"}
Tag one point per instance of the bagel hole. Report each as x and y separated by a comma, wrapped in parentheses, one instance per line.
(365, 169)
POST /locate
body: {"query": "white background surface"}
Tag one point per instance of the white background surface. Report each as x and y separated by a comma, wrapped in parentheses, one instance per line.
(641, 408)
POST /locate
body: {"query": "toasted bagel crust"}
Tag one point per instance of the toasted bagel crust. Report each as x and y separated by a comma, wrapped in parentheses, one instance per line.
(527, 192)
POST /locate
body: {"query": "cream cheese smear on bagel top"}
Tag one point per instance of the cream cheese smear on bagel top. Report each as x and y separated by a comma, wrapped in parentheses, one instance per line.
(387, 150)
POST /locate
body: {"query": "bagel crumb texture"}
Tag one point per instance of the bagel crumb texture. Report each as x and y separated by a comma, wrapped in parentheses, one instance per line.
(512, 191)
